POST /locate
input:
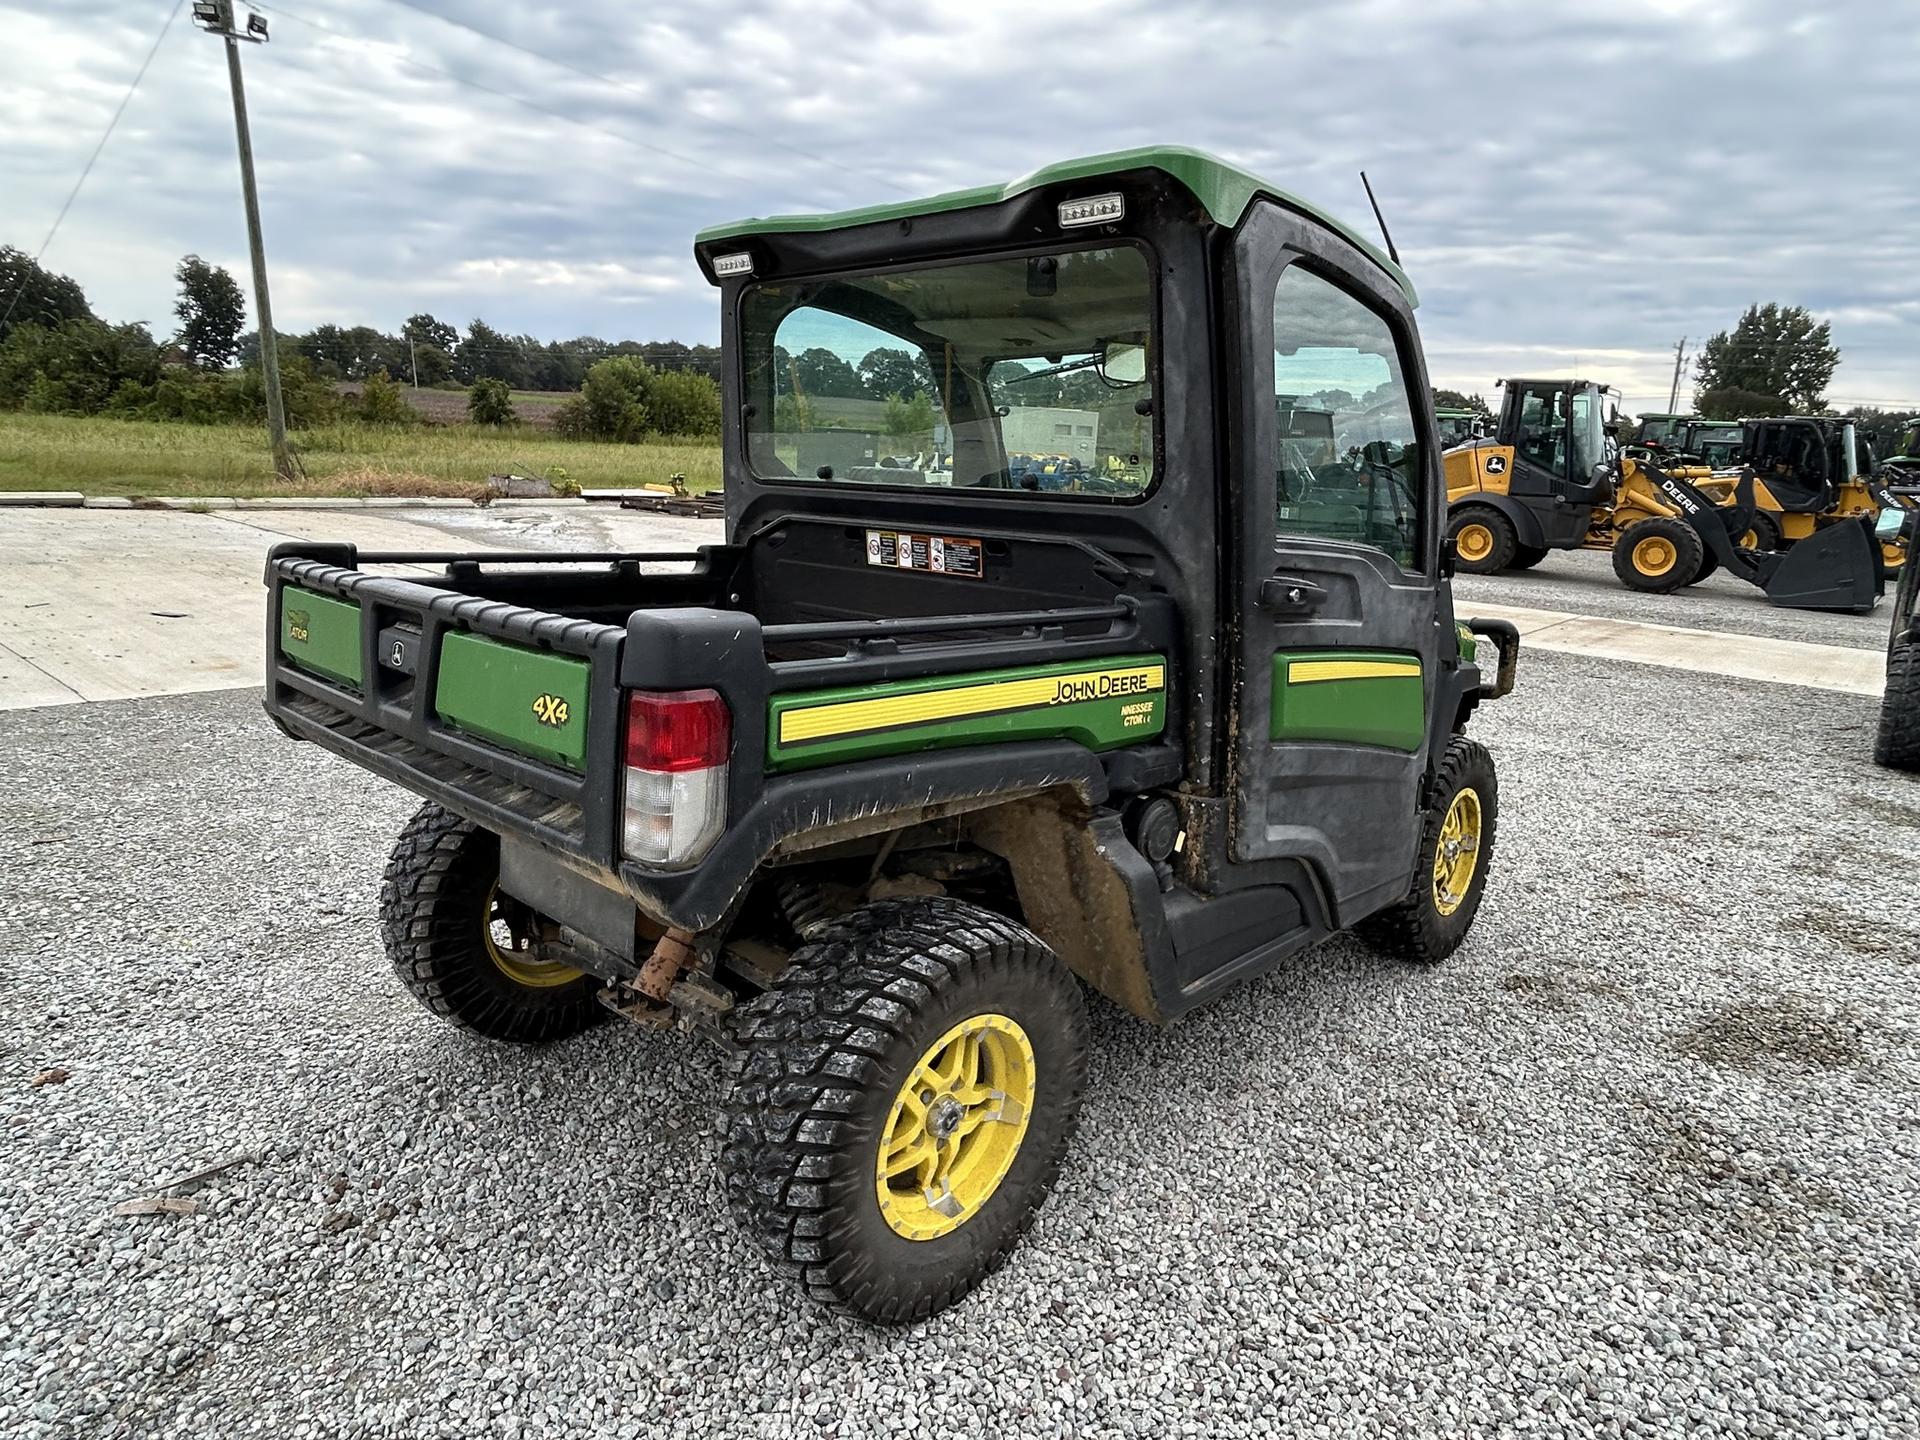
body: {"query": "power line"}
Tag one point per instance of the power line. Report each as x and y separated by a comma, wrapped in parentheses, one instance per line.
(757, 136)
(706, 166)
(87, 169)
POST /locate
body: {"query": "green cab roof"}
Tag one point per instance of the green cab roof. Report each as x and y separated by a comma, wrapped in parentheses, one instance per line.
(1224, 191)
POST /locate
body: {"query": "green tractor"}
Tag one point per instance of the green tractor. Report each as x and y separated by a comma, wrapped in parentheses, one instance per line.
(876, 790)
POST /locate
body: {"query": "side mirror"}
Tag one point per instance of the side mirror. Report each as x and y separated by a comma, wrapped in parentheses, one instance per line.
(1122, 363)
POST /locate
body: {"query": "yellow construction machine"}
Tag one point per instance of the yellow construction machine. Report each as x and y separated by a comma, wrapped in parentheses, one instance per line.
(1548, 478)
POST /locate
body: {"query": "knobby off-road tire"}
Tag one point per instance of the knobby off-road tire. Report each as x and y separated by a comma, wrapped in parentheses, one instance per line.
(815, 1093)
(1897, 743)
(1483, 540)
(1429, 924)
(1525, 557)
(1658, 556)
(438, 904)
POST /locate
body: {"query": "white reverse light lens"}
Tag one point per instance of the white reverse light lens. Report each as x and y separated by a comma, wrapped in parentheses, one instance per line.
(1094, 210)
(738, 264)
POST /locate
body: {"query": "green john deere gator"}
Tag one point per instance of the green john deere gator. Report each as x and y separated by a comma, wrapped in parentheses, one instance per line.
(874, 791)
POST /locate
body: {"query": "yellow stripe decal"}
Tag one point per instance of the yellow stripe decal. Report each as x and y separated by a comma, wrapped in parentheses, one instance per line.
(1309, 672)
(854, 717)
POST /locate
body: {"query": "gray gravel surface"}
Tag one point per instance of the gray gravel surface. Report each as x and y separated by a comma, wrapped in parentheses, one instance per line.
(1640, 1160)
(1583, 581)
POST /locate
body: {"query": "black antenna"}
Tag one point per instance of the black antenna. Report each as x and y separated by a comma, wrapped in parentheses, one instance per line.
(1385, 233)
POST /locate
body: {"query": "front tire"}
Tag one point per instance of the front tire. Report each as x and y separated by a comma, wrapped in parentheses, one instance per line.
(465, 950)
(1658, 556)
(1525, 557)
(1483, 540)
(1451, 866)
(900, 1104)
(1897, 743)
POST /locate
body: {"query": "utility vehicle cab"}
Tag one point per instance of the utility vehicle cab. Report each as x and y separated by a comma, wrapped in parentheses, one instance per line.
(1081, 614)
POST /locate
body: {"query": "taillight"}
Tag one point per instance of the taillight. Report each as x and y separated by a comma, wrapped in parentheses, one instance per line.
(676, 797)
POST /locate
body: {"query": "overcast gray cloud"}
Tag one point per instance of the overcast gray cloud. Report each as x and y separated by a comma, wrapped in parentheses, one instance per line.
(1568, 184)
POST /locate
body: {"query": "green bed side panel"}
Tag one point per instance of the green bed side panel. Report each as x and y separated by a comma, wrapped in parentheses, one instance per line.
(1362, 697)
(529, 701)
(321, 634)
(1102, 703)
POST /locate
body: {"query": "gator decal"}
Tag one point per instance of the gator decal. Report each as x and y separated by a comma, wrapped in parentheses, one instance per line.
(529, 701)
(1360, 697)
(321, 634)
(1103, 705)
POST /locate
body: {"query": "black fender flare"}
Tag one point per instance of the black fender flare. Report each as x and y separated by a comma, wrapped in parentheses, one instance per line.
(1526, 526)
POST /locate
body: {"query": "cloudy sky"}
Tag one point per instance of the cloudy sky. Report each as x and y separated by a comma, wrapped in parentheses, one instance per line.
(1570, 185)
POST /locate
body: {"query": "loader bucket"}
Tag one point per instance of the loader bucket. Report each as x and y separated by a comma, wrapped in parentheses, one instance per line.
(1835, 568)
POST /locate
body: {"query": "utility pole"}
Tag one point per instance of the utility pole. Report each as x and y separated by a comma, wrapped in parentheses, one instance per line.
(1679, 355)
(413, 362)
(216, 18)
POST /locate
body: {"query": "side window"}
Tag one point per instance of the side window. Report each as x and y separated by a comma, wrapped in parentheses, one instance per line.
(1349, 465)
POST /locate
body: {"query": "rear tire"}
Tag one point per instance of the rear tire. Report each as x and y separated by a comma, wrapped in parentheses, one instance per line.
(1451, 866)
(1525, 557)
(1658, 556)
(1897, 743)
(1763, 534)
(827, 1130)
(459, 945)
(1483, 539)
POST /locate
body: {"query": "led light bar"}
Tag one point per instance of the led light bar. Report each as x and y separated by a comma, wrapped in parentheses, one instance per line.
(740, 263)
(1094, 210)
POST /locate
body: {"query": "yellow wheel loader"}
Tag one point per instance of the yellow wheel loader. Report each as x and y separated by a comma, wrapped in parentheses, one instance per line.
(1547, 479)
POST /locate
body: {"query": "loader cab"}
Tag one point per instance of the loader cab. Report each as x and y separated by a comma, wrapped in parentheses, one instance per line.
(1558, 431)
(1802, 462)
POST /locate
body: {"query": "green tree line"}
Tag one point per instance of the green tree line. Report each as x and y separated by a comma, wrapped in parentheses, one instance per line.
(57, 356)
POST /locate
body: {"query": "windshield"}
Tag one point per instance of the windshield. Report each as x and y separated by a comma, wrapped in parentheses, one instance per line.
(1030, 374)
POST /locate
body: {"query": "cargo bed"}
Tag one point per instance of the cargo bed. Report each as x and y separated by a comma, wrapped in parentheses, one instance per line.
(495, 686)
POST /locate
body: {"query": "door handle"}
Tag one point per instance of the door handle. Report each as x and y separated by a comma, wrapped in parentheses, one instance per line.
(1287, 595)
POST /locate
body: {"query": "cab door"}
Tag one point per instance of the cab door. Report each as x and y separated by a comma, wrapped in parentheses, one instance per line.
(1335, 491)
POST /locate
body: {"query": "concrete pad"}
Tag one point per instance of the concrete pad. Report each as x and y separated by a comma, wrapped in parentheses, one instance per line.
(1705, 652)
(24, 685)
(43, 499)
(107, 605)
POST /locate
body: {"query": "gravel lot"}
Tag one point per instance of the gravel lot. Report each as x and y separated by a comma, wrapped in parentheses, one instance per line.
(1583, 581)
(1641, 1160)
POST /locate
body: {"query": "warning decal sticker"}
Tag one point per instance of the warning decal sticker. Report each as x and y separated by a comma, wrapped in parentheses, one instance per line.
(930, 554)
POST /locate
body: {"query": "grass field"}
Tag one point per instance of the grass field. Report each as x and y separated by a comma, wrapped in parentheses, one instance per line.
(135, 458)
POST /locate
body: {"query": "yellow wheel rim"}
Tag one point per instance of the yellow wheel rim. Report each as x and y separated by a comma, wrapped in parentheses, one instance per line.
(1655, 556)
(1473, 542)
(511, 948)
(1457, 855)
(955, 1127)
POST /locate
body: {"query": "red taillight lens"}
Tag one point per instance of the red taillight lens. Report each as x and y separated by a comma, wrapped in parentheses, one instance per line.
(679, 730)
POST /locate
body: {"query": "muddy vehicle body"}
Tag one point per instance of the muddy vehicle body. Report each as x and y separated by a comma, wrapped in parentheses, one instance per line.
(869, 792)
